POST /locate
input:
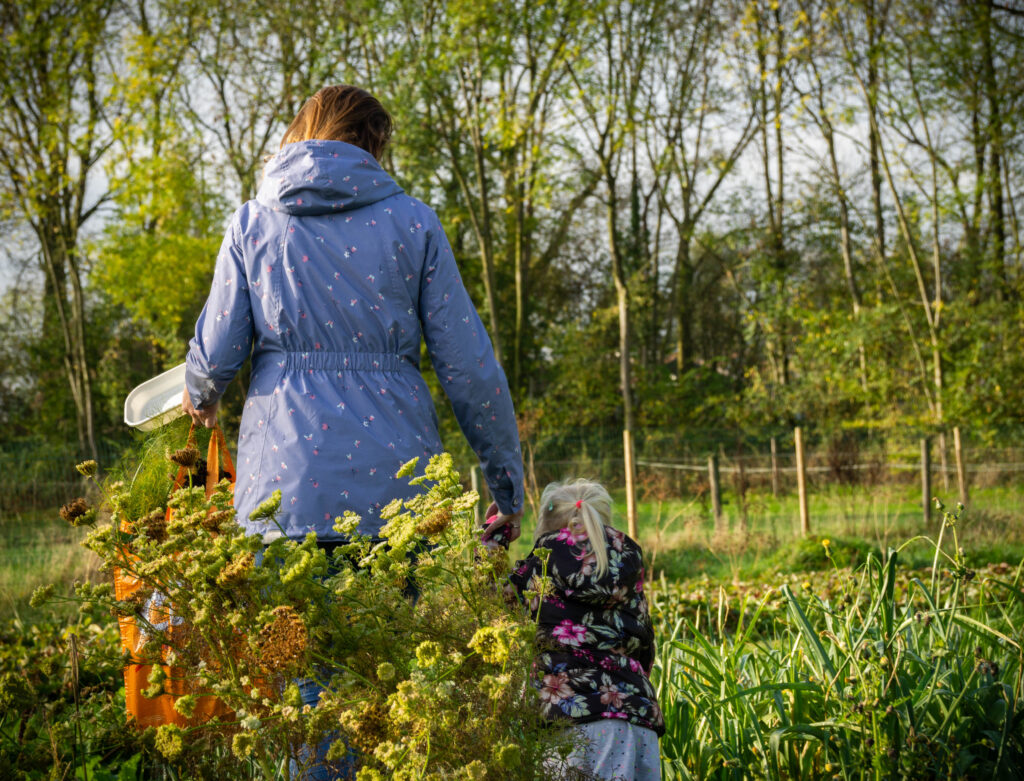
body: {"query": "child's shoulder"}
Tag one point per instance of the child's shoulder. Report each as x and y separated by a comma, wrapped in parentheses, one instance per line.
(617, 538)
(620, 539)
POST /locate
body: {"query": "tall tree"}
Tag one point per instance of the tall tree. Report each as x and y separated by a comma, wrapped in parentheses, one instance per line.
(700, 127)
(764, 35)
(818, 83)
(482, 92)
(609, 106)
(930, 307)
(55, 112)
(252, 64)
(156, 260)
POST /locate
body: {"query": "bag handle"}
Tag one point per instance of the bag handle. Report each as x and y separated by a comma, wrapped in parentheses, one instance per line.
(215, 451)
(217, 454)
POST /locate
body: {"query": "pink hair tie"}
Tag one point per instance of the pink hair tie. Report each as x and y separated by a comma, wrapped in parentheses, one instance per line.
(579, 503)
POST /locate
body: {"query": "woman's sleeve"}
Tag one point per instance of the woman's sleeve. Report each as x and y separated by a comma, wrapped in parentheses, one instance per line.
(463, 358)
(224, 330)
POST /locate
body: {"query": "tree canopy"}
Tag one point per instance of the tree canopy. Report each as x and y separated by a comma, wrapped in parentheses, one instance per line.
(686, 215)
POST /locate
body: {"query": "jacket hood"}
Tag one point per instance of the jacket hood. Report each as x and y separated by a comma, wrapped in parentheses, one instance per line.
(323, 177)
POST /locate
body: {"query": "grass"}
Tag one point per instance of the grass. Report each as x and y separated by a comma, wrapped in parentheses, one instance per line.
(680, 539)
(37, 548)
(678, 535)
(876, 672)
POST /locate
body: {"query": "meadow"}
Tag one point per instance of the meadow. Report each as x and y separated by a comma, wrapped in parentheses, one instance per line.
(873, 648)
(678, 536)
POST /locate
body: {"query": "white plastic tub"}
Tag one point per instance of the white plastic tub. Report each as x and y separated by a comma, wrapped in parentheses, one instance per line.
(156, 402)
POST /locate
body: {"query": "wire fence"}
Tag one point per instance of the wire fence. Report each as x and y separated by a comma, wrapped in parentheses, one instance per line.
(671, 464)
(678, 465)
(36, 475)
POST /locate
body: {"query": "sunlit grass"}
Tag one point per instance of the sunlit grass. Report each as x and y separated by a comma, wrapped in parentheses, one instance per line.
(37, 548)
(680, 540)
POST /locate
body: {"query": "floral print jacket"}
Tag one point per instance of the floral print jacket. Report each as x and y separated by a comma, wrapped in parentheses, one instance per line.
(594, 633)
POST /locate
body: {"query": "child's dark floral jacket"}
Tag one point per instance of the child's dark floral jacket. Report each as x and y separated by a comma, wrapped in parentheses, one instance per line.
(595, 635)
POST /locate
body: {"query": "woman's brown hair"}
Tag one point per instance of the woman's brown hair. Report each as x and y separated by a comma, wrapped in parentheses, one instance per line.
(342, 113)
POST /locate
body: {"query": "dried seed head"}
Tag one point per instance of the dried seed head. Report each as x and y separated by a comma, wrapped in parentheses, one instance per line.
(186, 457)
(236, 571)
(215, 520)
(75, 512)
(154, 525)
(498, 558)
(435, 523)
(365, 726)
(282, 641)
(87, 468)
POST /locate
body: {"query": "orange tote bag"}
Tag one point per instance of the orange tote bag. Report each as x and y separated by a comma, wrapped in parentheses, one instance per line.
(154, 711)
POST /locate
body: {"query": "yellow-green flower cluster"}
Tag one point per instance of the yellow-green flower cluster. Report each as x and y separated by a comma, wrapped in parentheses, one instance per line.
(170, 741)
(419, 654)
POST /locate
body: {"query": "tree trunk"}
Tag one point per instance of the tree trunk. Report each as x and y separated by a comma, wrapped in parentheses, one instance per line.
(779, 240)
(486, 238)
(58, 265)
(994, 181)
(928, 308)
(625, 349)
(846, 249)
(874, 31)
(681, 287)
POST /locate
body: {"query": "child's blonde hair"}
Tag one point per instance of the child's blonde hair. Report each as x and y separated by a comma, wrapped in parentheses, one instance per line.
(577, 501)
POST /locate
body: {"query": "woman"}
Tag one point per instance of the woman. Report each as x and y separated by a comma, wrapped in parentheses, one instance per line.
(329, 278)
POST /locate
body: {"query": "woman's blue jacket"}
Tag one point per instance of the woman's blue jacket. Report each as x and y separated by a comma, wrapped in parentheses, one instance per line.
(329, 278)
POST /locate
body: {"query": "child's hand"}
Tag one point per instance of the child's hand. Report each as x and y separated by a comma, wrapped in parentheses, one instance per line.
(500, 528)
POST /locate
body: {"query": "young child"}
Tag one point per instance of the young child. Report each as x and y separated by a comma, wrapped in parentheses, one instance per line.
(596, 642)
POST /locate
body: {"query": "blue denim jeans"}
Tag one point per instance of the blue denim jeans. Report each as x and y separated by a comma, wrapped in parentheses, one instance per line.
(313, 760)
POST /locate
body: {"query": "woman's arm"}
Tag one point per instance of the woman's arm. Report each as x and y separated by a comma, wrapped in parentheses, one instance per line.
(463, 358)
(224, 332)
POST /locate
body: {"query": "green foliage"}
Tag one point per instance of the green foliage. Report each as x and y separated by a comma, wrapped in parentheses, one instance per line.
(819, 553)
(62, 711)
(144, 477)
(411, 680)
(728, 327)
(583, 385)
(156, 260)
(853, 672)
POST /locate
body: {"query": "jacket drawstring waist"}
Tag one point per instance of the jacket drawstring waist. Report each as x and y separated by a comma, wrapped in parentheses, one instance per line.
(326, 360)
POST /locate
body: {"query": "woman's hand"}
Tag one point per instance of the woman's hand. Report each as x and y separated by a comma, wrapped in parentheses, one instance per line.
(501, 520)
(205, 417)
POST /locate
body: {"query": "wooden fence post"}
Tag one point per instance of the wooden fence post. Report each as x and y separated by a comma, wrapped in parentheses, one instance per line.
(943, 463)
(474, 479)
(716, 490)
(801, 482)
(775, 467)
(926, 480)
(630, 464)
(741, 491)
(961, 473)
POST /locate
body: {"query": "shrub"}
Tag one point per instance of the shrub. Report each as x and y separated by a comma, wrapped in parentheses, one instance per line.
(431, 687)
